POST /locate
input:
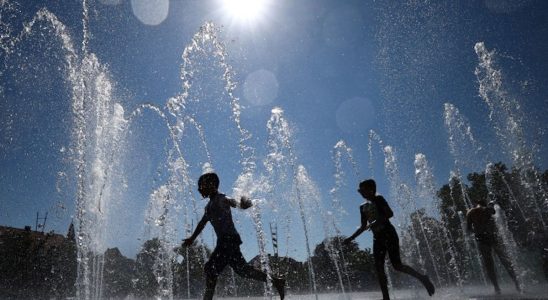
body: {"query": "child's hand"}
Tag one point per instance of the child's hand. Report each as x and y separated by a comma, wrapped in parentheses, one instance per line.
(187, 242)
(245, 203)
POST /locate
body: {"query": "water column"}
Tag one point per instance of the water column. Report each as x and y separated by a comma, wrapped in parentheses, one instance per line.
(160, 226)
(402, 194)
(492, 173)
(375, 138)
(339, 150)
(426, 188)
(463, 146)
(303, 189)
(283, 173)
(502, 228)
(507, 119)
(90, 208)
(206, 42)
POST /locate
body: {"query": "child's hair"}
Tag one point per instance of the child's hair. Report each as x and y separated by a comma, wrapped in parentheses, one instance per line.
(368, 184)
(209, 180)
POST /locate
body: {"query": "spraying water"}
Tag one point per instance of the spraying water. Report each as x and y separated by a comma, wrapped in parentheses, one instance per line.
(339, 150)
(507, 118)
(426, 189)
(401, 192)
(304, 189)
(373, 138)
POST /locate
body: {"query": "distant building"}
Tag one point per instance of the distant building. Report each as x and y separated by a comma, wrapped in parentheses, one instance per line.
(36, 264)
(36, 238)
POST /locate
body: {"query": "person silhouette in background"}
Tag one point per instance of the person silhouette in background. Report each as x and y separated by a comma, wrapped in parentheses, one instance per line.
(375, 215)
(227, 251)
(480, 221)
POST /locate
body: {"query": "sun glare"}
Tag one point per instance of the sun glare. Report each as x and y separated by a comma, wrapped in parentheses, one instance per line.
(245, 10)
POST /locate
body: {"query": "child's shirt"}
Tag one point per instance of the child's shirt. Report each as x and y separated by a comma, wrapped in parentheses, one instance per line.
(376, 213)
(217, 211)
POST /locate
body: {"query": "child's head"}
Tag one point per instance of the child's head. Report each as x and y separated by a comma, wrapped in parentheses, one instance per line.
(208, 184)
(368, 188)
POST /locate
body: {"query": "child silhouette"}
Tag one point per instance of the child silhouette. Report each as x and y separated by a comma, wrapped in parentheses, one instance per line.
(227, 251)
(480, 221)
(375, 215)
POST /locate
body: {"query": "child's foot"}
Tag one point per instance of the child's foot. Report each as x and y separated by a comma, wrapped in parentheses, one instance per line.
(428, 285)
(279, 284)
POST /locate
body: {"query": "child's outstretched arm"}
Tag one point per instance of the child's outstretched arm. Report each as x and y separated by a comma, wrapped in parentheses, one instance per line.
(357, 233)
(201, 225)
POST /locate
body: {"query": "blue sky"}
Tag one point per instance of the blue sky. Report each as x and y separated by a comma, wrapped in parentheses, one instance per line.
(336, 68)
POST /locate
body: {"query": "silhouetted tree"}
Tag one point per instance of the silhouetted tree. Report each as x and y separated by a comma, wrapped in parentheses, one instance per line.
(117, 274)
(145, 283)
(189, 270)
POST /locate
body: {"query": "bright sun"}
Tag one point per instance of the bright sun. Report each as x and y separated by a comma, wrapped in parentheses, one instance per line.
(245, 10)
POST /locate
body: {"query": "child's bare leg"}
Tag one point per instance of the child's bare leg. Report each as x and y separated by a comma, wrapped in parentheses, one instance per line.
(242, 268)
(213, 267)
(379, 253)
(487, 257)
(211, 282)
(507, 263)
(383, 281)
(394, 254)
